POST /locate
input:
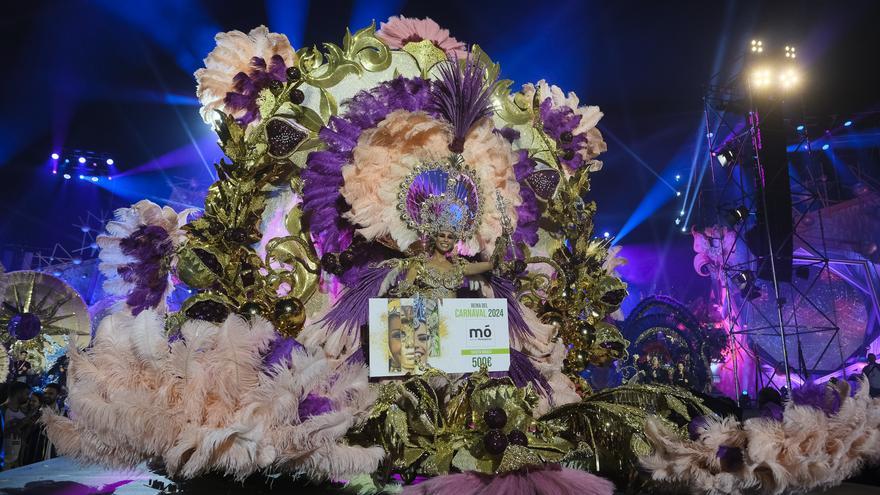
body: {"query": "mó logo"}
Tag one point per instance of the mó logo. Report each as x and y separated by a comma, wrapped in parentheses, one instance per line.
(481, 333)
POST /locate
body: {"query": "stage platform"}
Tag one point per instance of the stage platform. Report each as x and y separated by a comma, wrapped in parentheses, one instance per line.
(63, 476)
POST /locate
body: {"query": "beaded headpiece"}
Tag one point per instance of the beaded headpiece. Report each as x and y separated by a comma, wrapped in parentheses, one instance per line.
(441, 197)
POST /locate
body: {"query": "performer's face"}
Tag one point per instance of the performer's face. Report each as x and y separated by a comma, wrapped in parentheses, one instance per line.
(422, 345)
(444, 241)
(401, 342)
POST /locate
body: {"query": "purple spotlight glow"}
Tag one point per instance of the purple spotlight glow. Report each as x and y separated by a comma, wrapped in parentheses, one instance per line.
(82, 159)
(55, 156)
(66, 176)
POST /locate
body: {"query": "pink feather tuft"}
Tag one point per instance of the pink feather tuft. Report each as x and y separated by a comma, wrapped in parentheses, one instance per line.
(551, 479)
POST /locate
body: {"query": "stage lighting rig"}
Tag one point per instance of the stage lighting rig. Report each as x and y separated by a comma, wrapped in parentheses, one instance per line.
(772, 72)
(87, 165)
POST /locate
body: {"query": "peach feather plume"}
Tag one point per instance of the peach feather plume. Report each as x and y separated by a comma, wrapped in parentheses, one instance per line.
(204, 402)
(807, 450)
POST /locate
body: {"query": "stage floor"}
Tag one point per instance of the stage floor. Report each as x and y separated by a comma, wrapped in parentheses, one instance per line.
(62, 476)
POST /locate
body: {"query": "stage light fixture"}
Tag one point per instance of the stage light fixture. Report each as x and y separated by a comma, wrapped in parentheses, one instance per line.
(790, 52)
(66, 176)
(725, 158)
(789, 78)
(677, 193)
(825, 147)
(55, 156)
(677, 176)
(757, 46)
(82, 177)
(82, 159)
(737, 215)
(110, 161)
(847, 123)
(94, 179)
(761, 77)
(606, 235)
(681, 212)
(678, 221)
(800, 128)
(745, 282)
(743, 279)
(684, 229)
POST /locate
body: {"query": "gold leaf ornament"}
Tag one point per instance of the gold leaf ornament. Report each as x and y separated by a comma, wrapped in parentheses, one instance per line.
(195, 267)
(360, 52)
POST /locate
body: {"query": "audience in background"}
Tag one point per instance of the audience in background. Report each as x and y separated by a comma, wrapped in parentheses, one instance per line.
(16, 423)
(872, 373)
(24, 440)
(680, 376)
(657, 373)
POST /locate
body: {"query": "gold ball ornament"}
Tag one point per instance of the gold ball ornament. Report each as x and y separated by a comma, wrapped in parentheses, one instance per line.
(251, 309)
(289, 316)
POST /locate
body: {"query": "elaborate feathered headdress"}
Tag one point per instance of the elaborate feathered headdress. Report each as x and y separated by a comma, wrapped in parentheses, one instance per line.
(445, 196)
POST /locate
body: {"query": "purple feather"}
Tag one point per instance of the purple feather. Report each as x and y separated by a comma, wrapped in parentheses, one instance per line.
(150, 246)
(772, 411)
(558, 121)
(279, 351)
(462, 97)
(247, 86)
(522, 371)
(314, 405)
(527, 213)
(323, 173)
(503, 288)
(356, 357)
(815, 395)
(351, 311)
(508, 133)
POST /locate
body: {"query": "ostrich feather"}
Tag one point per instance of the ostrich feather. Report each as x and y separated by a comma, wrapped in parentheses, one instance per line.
(205, 402)
(821, 441)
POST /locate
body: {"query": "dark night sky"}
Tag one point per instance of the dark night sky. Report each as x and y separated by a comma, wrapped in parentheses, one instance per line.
(92, 75)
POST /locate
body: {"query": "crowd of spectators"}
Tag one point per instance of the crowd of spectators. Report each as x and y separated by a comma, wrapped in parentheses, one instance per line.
(23, 399)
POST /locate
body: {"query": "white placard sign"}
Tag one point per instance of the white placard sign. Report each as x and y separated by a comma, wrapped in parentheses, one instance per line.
(453, 335)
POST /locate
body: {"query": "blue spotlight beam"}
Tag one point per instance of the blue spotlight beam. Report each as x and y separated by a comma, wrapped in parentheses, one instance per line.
(288, 17)
(364, 12)
(658, 196)
(180, 27)
(637, 158)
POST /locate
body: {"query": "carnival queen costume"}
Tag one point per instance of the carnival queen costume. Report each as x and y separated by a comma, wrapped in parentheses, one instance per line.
(396, 163)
